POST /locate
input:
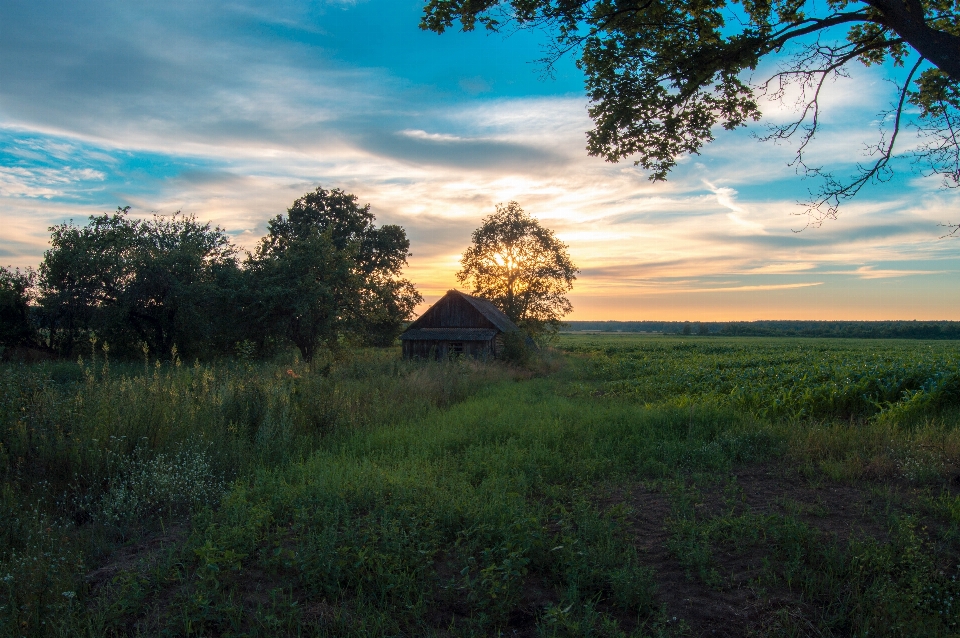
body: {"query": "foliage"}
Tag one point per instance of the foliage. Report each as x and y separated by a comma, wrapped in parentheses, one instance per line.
(521, 267)
(325, 270)
(16, 293)
(663, 76)
(144, 486)
(172, 286)
(515, 348)
(846, 329)
(134, 281)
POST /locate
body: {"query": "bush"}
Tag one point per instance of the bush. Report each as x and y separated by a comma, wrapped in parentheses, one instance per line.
(165, 484)
(515, 347)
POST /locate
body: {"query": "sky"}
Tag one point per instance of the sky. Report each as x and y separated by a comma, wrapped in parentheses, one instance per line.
(230, 110)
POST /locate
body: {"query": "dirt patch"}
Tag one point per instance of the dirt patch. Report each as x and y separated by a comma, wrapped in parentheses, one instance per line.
(840, 510)
(137, 557)
(734, 604)
(706, 611)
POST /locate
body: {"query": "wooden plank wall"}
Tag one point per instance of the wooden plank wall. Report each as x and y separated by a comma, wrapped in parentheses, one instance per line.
(442, 349)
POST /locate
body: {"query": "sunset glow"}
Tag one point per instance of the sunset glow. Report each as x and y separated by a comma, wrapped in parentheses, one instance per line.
(232, 111)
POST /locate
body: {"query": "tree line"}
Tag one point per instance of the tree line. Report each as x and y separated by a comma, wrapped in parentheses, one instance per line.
(170, 286)
(784, 328)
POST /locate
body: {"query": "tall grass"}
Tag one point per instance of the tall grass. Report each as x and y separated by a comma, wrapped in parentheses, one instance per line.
(94, 453)
(373, 496)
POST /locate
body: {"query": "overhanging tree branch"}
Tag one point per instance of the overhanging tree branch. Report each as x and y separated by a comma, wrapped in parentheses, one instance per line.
(835, 192)
(662, 74)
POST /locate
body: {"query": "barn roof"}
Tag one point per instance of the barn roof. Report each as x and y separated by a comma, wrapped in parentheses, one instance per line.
(448, 334)
(491, 312)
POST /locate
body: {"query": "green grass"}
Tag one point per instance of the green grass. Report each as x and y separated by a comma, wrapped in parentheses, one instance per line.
(589, 495)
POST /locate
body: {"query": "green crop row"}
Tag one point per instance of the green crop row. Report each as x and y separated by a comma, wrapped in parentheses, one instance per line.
(777, 378)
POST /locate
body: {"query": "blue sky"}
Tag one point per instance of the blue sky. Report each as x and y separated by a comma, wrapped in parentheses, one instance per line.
(231, 110)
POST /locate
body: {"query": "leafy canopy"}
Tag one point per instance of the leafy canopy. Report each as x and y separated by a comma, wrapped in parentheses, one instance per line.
(134, 282)
(663, 74)
(16, 292)
(521, 267)
(325, 271)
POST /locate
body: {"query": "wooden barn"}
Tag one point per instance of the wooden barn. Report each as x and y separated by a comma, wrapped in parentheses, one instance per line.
(457, 324)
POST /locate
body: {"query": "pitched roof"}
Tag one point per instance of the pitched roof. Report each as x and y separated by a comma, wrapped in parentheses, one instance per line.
(448, 334)
(488, 310)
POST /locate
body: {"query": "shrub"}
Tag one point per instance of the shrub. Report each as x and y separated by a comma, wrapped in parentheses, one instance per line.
(515, 348)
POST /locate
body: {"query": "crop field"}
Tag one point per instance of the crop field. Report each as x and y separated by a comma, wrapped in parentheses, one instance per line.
(614, 486)
(778, 378)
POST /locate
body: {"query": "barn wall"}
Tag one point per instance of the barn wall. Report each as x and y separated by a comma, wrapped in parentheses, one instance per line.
(442, 349)
(498, 345)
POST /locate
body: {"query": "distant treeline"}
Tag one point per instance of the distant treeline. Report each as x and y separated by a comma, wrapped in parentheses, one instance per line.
(834, 329)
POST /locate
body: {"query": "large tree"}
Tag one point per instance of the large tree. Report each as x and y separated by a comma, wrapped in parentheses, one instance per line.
(134, 281)
(662, 74)
(16, 294)
(521, 267)
(325, 271)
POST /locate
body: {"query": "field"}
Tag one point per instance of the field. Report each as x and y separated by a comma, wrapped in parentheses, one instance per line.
(616, 486)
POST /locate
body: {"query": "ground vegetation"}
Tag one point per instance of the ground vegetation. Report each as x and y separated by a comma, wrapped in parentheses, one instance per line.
(785, 328)
(620, 486)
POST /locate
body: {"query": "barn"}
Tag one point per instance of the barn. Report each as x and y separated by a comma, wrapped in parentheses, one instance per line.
(457, 324)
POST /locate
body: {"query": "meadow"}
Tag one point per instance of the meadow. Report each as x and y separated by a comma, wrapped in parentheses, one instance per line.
(613, 486)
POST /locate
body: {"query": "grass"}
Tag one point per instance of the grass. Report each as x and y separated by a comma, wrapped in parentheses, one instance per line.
(622, 486)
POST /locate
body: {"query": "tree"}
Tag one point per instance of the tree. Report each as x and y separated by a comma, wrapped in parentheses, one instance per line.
(662, 74)
(304, 291)
(521, 267)
(81, 275)
(16, 293)
(172, 295)
(133, 281)
(325, 271)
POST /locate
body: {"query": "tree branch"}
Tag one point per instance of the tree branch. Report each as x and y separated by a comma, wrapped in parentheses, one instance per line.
(834, 192)
(908, 19)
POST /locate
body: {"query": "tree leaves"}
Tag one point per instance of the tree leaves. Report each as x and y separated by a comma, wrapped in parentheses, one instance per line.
(325, 271)
(521, 267)
(662, 75)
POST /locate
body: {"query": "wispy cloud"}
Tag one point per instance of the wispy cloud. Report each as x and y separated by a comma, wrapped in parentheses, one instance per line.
(723, 289)
(43, 182)
(232, 110)
(870, 272)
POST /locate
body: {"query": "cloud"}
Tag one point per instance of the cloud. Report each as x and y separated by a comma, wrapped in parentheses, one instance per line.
(422, 149)
(38, 182)
(726, 198)
(871, 272)
(782, 268)
(745, 288)
(232, 111)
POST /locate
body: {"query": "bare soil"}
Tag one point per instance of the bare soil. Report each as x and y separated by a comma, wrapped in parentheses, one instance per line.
(737, 607)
